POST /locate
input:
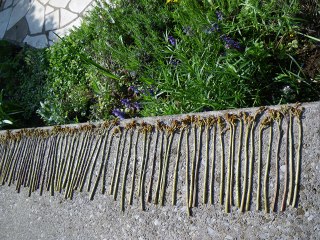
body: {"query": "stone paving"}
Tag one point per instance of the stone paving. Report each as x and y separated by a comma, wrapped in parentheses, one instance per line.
(35, 21)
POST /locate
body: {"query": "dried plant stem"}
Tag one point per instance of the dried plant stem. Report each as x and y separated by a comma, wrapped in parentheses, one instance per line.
(79, 161)
(197, 166)
(115, 164)
(187, 171)
(221, 169)
(296, 185)
(116, 186)
(37, 167)
(285, 188)
(70, 171)
(65, 162)
(41, 167)
(20, 160)
(73, 152)
(142, 198)
(11, 161)
(24, 165)
(85, 161)
(213, 164)
(16, 162)
(87, 167)
(8, 149)
(94, 163)
(104, 161)
(60, 160)
(28, 167)
(232, 163)
(276, 188)
(149, 195)
(124, 180)
(165, 170)
(34, 168)
(160, 169)
(245, 174)
(289, 200)
(238, 173)
(259, 168)
(206, 170)
(10, 158)
(228, 202)
(252, 153)
(134, 168)
(175, 177)
(104, 176)
(143, 160)
(46, 166)
(193, 167)
(51, 161)
(54, 165)
(266, 175)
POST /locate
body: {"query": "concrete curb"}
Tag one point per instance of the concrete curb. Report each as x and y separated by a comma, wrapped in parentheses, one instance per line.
(48, 217)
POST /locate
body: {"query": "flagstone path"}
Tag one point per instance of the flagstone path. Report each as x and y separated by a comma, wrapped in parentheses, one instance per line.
(35, 21)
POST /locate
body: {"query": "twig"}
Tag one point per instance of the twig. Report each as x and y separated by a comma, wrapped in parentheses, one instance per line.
(221, 124)
(276, 188)
(252, 153)
(134, 168)
(170, 131)
(193, 167)
(290, 194)
(130, 126)
(248, 121)
(149, 194)
(214, 121)
(238, 173)
(298, 114)
(266, 175)
(117, 130)
(175, 177)
(104, 159)
(161, 127)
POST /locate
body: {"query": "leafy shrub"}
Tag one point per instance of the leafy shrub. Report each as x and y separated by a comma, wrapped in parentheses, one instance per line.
(22, 75)
(179, 57)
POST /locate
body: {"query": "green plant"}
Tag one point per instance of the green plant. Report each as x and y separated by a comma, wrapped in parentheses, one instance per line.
(4, 118)
(191, 56)
(22, 74)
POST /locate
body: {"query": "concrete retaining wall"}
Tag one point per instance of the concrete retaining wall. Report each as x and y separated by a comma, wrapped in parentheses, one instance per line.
(55, 217)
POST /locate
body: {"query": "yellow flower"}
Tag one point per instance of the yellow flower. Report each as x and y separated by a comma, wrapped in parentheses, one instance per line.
(172, 1)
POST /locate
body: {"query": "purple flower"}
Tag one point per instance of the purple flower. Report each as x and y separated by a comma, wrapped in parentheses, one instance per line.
(118, 113)
(134, 89)
(151, 91)
(174, 61)
(219, 15)
(172, 40)
(137, 105)
(230, 43)
(126, 102)
(214, 28)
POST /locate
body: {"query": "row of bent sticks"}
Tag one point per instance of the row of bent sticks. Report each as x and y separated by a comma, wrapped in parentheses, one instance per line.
(66, 159)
